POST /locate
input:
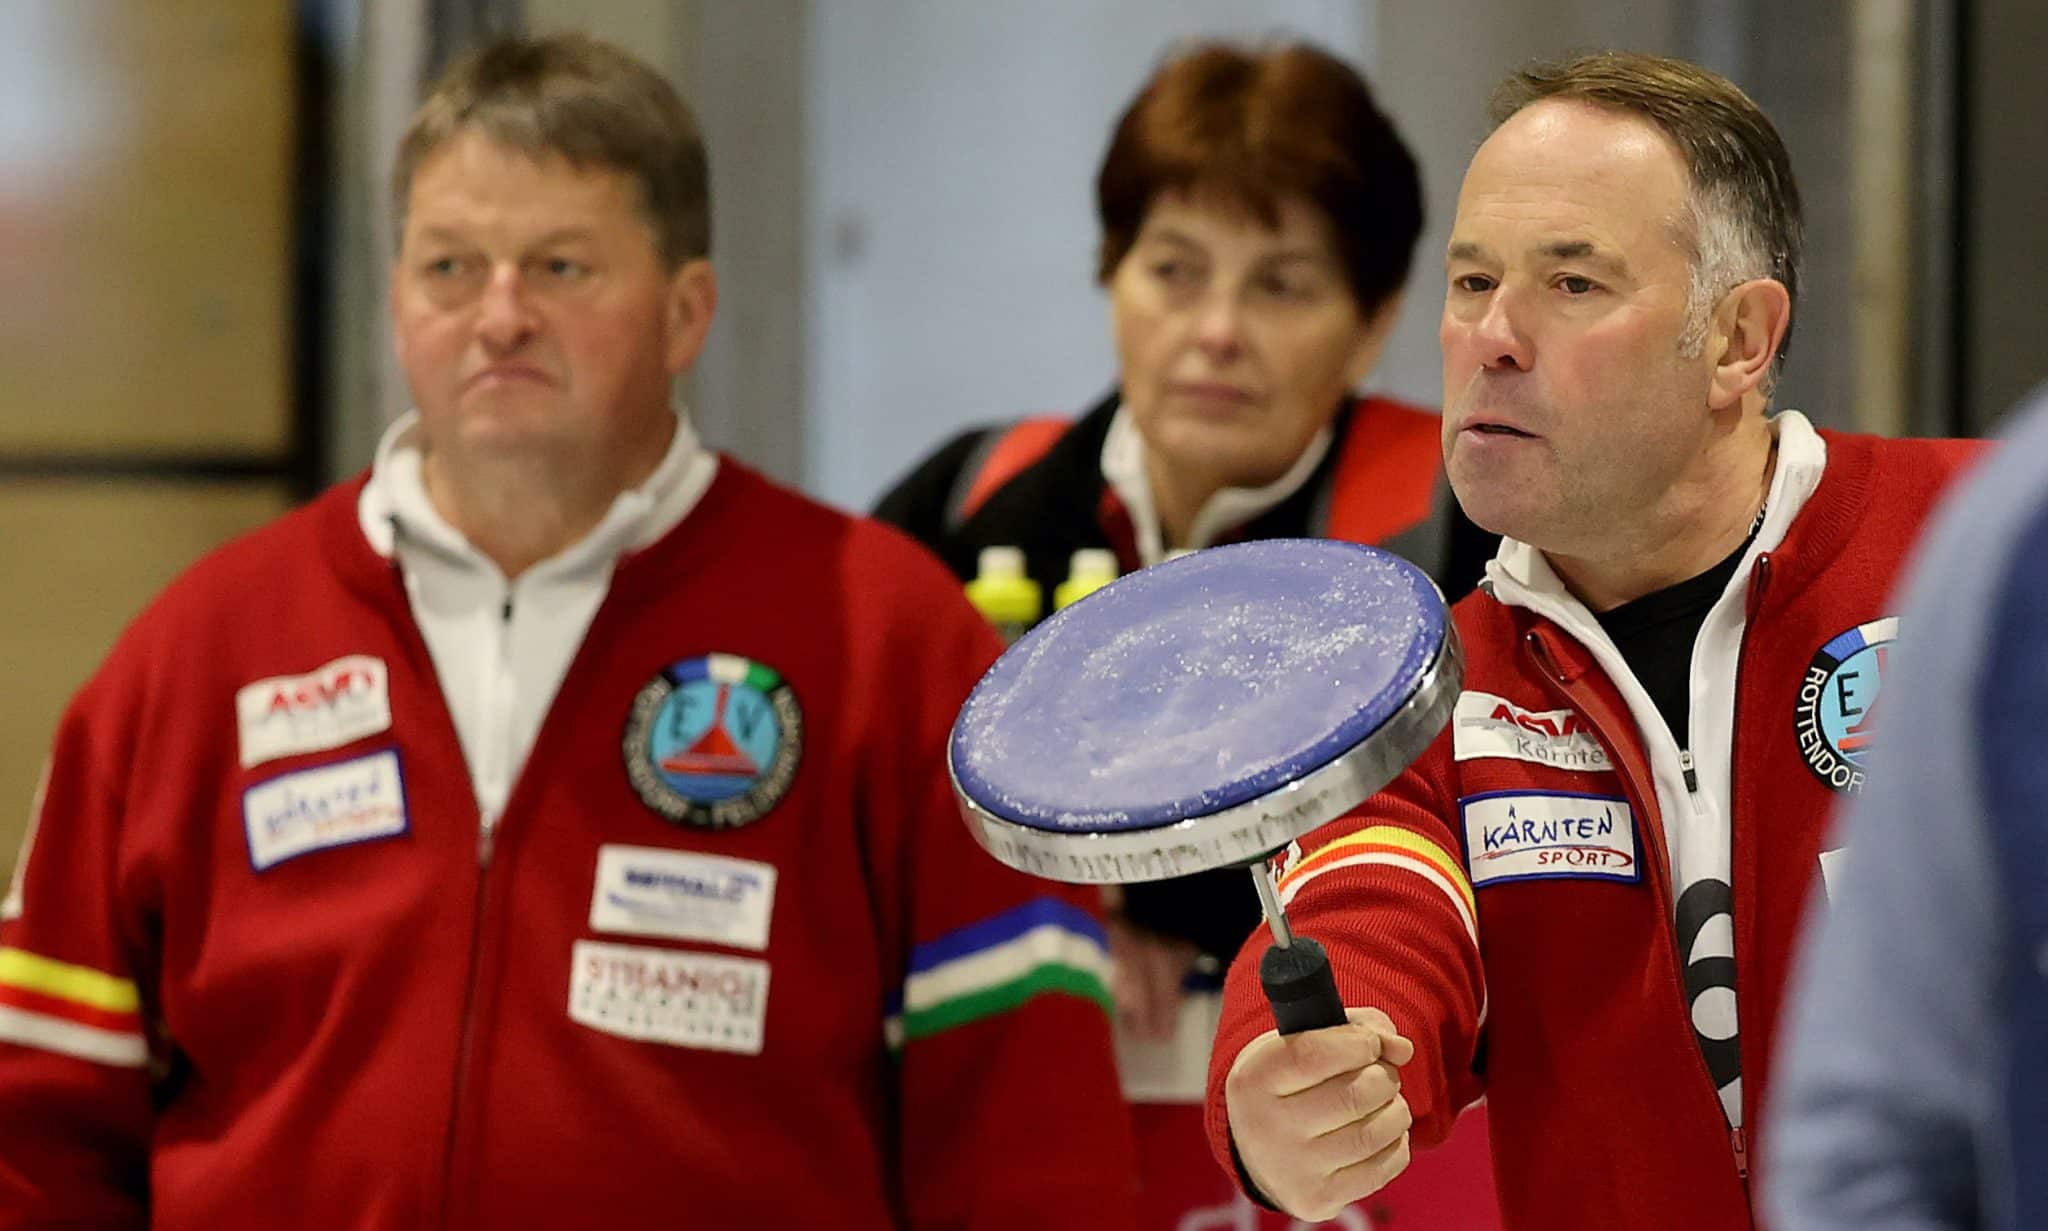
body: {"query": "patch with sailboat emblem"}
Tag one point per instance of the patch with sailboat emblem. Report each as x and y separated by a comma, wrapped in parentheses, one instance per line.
(714, 741)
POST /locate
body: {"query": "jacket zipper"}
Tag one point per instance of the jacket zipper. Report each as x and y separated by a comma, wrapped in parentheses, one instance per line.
(1738, 1141)
(486, 847)
(1659, 868)
(466, 1044)
(1753, 603)
(493, 751)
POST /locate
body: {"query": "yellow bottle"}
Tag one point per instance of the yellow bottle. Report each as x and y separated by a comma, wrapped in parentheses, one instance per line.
(1090, 569)
(1004, 595)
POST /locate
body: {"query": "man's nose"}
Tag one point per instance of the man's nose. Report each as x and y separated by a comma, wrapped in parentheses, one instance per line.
(505, 319)
(1498, 337)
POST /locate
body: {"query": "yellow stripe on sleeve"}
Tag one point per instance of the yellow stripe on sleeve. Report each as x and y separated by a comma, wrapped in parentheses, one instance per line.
(1397, 838)
(78, 984)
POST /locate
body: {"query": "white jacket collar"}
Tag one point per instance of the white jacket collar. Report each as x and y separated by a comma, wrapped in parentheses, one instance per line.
(1123, 467)
(1520, 575)
(395, 500)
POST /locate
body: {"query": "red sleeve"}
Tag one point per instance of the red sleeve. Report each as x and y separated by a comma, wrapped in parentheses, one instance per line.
(1011, 1113)
(74, 1058)
(1385, 891)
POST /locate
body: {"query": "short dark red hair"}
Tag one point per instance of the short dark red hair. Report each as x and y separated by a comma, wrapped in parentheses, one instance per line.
(1254, 125)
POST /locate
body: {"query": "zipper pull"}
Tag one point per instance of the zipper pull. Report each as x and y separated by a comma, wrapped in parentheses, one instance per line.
(1740, 1140)
(1692, 780)
(1759, 579)
(1540, 651)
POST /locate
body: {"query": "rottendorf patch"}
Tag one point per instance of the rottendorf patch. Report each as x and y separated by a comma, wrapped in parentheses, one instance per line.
(714, 741)
(1837, 708)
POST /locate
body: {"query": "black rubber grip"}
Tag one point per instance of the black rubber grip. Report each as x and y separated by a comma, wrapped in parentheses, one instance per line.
(1300, 987)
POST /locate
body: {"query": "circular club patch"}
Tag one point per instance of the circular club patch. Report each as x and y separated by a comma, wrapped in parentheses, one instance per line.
(1837, 709)
(714, 741)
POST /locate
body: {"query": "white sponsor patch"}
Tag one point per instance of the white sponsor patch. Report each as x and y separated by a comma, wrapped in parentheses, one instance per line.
(670, 996)
(682, 895)
(1533, 836)
(1489, 726)
(337, 704)
(313, 809)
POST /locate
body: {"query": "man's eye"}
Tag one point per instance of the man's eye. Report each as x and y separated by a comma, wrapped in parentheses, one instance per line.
(564, 268)
(1473, 283)
(1573, 284)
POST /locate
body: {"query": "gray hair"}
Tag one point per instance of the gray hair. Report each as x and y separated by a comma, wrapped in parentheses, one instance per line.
(1744, 214)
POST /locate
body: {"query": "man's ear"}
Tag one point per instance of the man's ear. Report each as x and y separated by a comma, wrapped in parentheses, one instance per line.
(1749, 325)
(691, 303)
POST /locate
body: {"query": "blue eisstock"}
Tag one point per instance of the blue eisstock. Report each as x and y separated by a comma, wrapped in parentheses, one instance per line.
(1120, 713)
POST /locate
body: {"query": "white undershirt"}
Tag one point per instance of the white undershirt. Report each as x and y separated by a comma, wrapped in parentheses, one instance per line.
(501, 648)
(1697, 828)
(1123, 466)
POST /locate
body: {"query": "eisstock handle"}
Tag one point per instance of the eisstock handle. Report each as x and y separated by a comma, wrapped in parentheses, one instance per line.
(1300, 987)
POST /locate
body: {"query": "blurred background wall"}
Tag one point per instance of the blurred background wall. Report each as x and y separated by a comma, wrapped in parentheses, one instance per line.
(194, 233)
(150, 397)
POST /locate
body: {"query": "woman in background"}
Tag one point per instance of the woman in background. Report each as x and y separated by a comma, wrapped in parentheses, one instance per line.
(1259, 213)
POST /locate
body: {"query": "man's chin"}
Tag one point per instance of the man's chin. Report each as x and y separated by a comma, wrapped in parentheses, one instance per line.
(489, 437)
(1484, 505)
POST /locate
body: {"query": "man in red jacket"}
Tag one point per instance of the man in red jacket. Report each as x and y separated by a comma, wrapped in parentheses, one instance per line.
(1579, 902)
(549, 827)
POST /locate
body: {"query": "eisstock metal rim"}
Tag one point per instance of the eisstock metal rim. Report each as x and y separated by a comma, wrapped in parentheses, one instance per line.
(1247, 832)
